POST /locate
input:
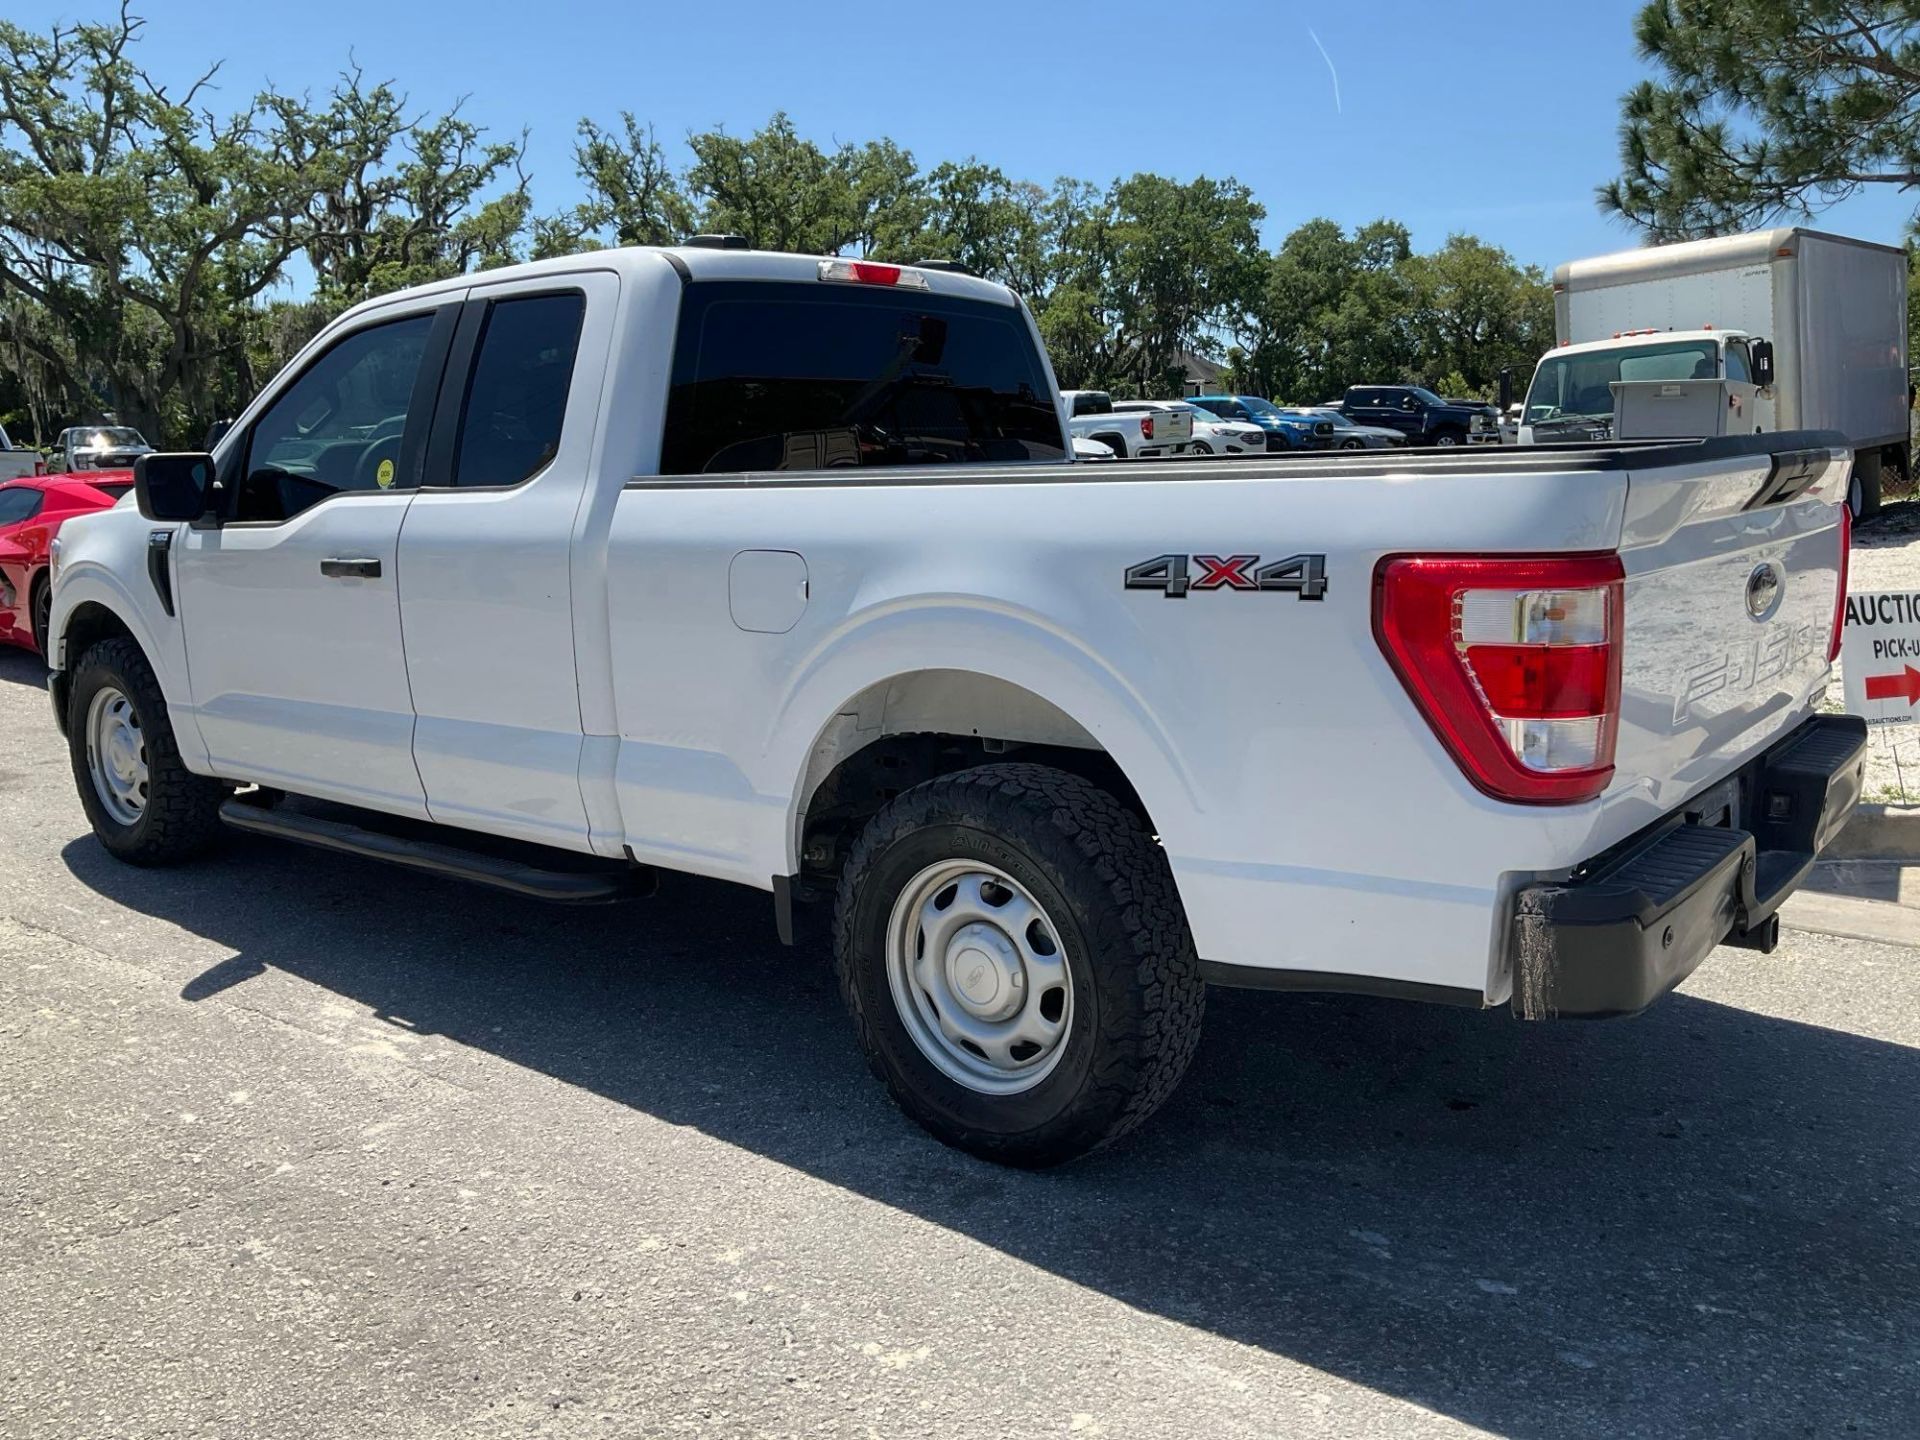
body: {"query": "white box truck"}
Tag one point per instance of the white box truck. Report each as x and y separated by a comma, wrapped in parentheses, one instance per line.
(1817, 323)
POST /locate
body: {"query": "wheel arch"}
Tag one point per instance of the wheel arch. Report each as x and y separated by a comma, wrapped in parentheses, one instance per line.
(90, 605)
(902, 729)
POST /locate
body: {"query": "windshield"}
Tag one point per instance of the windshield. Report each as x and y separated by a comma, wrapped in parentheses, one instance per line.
(1259, 406)
(1575, 386)
(107, 437)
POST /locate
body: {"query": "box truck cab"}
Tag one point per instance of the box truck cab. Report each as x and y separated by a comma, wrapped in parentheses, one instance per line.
(1832, 310)
(1573, 394)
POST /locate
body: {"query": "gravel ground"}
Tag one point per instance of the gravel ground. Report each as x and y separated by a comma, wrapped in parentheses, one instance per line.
(1886, 556)
(300, 1146)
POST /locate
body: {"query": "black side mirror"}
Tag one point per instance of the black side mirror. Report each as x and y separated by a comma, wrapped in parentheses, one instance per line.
(173, 487)
(1763, 363)
(214, 432)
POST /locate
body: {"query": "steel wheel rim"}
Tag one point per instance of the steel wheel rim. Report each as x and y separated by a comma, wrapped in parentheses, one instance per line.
(117, 755)
(979, 977)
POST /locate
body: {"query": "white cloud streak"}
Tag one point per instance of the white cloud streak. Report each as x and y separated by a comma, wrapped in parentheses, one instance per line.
(1330, 70)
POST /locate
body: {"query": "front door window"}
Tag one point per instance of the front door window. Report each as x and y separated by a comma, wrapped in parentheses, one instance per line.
(339, 426)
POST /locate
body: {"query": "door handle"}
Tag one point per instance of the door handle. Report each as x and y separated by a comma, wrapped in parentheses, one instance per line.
(351, 569)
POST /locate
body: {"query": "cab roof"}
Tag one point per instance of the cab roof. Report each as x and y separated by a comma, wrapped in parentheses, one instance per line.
(692, 262)
(1628, 338)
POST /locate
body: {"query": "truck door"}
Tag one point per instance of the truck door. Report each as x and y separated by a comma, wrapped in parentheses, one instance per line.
(487, 554)
(1757, 404)
(1395, 409)
(291, 606)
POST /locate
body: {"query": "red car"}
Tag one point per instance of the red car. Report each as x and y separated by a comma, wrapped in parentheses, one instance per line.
(32, 511)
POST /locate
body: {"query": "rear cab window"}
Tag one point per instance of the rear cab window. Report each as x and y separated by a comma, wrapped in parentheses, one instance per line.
(773, 375)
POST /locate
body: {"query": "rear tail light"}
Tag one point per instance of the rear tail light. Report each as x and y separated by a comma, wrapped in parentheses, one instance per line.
(39, 466)
(869, 272)
(1514, 662)
(1146, 427)
(1840, 593)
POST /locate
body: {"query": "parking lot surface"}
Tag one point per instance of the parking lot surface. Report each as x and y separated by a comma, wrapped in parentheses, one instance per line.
(296, 1145)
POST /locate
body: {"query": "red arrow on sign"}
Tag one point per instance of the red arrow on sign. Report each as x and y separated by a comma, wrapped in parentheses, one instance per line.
(1893, 687)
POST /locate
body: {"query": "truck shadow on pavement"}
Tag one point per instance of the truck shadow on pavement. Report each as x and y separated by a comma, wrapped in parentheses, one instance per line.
(22, 667)
(1696, 1223)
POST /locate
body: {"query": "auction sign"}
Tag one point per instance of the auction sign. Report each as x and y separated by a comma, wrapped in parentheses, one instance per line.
(1880, 655)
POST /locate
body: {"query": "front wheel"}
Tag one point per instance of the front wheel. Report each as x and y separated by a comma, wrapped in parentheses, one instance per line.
(144, 804)
(1200, 447)
(1351, 444)
(1448, 439)
(1013, 952)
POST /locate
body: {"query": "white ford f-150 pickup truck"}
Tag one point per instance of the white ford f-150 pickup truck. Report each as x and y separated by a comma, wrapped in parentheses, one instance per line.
(1136, 433)
(776, 569)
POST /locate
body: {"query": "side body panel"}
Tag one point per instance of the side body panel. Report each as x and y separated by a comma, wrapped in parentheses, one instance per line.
(1311, 817)
(1852, 350)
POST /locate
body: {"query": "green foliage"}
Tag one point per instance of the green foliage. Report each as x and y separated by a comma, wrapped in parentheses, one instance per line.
(1766, 108)
(149, 247)
(1475, 313)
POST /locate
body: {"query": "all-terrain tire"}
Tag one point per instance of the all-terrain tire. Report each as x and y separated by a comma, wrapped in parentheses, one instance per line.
(1138, 998)
(181, 814)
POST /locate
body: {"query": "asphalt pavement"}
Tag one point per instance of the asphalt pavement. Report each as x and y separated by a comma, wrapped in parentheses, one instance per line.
(297, 1145)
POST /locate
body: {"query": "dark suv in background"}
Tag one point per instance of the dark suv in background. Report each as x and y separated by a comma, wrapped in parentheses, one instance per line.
(1419, 414)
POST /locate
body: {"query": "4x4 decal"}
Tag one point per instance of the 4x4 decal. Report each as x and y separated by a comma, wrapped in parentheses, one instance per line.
(1172, 575)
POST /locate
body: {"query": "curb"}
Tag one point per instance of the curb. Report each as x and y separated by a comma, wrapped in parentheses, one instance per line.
(1878, 832)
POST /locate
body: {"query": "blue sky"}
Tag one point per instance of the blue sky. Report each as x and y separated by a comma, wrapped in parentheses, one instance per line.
(1482, 116)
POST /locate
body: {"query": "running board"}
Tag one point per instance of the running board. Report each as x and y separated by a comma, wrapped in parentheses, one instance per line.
(453, 862)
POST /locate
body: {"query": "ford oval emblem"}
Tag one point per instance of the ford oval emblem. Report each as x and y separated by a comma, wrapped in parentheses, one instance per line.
(1765, 588)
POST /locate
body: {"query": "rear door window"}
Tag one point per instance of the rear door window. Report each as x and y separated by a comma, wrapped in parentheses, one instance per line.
(517, 398)
(770, 375)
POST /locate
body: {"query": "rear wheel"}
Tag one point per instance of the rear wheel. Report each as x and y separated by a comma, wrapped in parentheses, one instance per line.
(1113, 443)
(1013, 952)
(42, 612)
(144, 804)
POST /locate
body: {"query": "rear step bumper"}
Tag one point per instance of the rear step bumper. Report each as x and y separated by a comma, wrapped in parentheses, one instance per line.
(580, 886)
(1635, 922)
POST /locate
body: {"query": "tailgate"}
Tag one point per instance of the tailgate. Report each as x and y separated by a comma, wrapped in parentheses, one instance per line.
(1733, 568)
(1172, 425)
